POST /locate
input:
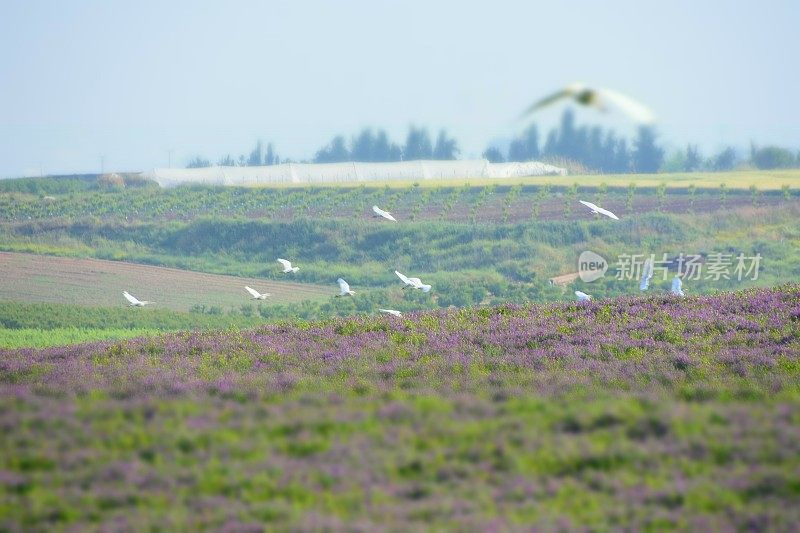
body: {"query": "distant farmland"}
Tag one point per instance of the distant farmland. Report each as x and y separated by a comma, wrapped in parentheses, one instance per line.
(36, 278)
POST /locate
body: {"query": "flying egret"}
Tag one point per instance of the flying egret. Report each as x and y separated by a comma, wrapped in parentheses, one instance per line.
(677, 286)
(599, 99)
(381, 213)
(391, 312)
(582, 296)
(344, 288)
(599, 210)
(647, 275)
(255, 294)
(287, 266)
(135, 302)
(414, 283)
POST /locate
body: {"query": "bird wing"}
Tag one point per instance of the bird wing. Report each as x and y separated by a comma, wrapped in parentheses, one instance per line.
(253, 292)
(130, 298)
(590, 205)
(385, 214)
(285, 263)
(635, 110)
(607, 213)
(390, 311)
(547, 100)
(582, 296)
(343, 286)
(403, 278)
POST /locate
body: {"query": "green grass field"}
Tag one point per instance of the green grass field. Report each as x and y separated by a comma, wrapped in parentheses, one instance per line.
(477, 245)
(43, 338)
(739, 179)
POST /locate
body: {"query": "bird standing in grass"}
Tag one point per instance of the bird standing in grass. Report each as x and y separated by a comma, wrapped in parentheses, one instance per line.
(600, 99)
(647, 275)
(582, 296)
(392, 312)
(677, 286)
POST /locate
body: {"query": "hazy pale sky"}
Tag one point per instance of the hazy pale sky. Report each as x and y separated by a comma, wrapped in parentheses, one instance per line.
(132, 81)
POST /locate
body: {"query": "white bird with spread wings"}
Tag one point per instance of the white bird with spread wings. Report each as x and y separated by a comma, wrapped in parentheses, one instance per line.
(287, 266)
(599, 210)
(344, 288)
(381, 213)
(414, 283)
(255, 294)
(597, 98)
(133, 301)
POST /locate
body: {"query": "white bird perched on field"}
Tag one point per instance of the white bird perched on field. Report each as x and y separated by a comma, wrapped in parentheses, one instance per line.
(255, 294)
(391, 312)
(677, 286)
(414, 283)
(647, 275)
(381, 213)
(135, 302)
(582, 296)
(344, 288)
(287, 266)
(599, 99)
(599, 210)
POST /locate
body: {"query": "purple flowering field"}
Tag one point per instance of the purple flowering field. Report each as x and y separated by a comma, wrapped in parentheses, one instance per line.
(634, 413)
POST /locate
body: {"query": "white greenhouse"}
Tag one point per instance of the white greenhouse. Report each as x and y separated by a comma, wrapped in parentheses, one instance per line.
(309, 173)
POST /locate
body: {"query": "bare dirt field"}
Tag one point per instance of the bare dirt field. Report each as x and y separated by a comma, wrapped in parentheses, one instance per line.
(39, 278)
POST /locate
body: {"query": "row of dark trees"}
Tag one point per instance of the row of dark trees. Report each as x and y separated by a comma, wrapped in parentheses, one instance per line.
(589, 147)
(258, 156)
(369, 146)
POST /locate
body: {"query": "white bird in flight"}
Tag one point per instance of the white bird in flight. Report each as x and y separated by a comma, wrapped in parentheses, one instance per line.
(415, 283)
(344, 288)
(135, 302)
(677, 286)
(255, 294)
(381, 213)
(599, 210)
(582, 296)
(391, 312)
(599, 99)
(287, 266)
(647, 275)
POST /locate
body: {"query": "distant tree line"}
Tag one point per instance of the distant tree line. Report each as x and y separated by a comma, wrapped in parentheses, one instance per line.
(369, 146)
(589, 146)
(582, 147)
(258, 156)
